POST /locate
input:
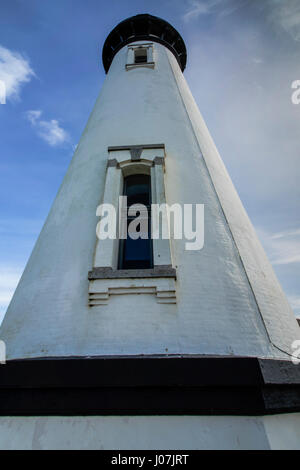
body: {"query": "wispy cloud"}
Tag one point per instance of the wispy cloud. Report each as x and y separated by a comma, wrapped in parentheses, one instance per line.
(9, 278)
(50, 131)
(283, 247)
(287, 233)
(285, 14)
(15, 70)
(196, 8)
(33, 116)
(295, 304)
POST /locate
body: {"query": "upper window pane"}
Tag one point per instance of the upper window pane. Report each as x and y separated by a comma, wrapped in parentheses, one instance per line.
(137, 254)
(140, 56)
(137, 189)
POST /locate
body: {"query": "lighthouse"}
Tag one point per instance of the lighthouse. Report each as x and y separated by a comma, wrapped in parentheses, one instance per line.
(122, 343)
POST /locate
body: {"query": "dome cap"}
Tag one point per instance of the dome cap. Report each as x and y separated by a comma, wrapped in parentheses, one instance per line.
(143, 28)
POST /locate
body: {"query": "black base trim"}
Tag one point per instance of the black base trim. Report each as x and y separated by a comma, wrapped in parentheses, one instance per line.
(149, 385)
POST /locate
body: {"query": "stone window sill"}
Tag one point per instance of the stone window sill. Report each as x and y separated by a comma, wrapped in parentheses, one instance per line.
(110, 273)
(144, 64)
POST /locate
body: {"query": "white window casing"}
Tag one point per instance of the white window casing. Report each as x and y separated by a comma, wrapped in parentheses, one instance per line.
(105, 279)
(130, 61)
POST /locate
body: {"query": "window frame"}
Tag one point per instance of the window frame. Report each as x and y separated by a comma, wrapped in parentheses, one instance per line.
(104, 278)
(133, 48)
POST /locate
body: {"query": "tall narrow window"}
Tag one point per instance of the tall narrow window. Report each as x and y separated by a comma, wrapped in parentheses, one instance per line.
(140, 56)
(137, 253)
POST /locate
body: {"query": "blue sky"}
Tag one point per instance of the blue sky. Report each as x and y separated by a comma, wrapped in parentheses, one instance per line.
(243, 56)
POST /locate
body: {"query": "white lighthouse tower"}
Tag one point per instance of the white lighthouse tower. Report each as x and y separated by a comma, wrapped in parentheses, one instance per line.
(141, 344)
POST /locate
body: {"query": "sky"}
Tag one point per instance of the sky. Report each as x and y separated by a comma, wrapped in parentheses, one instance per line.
(243, 56)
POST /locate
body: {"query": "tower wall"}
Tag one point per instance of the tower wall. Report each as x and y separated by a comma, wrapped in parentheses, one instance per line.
(228, 299)
(151, 432)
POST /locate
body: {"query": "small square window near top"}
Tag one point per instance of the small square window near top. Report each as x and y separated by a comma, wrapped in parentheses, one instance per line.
(140, 56)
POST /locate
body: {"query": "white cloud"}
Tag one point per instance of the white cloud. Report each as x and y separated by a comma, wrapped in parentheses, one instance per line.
(50, 131)
(9, 278)
(257, 60)
(286, 15)
(15, 70)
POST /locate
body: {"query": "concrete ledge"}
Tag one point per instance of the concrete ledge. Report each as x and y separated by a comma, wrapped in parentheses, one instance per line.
(110, 273)
(149, 65)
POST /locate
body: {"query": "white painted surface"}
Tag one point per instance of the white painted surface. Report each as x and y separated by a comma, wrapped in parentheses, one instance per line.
(217, 310)
(283, 431)
(150, 432)
(153, 432)
(105, 250)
